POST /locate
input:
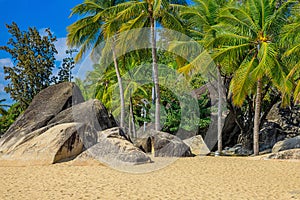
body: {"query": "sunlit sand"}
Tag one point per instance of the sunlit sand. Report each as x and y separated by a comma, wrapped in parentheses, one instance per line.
(185, 178)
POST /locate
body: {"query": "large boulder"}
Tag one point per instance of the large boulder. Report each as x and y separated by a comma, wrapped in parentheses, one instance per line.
(287, 118)
(291, 143)
(197, 145)
(230, 131)
(44, 107)
(185, 134)
(114, 148)
(269, 135)
(167, 145)
(162, 144)
(22, 138)
(92, 113)
(59, 143)
(143, 143)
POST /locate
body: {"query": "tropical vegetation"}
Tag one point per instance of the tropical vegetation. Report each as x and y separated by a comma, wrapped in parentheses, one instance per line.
(253, 45)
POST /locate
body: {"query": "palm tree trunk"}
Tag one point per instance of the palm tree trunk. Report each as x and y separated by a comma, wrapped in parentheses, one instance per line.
(219, 111)
(155, 76)
(122, 101)
(132, 118)
(257, 118)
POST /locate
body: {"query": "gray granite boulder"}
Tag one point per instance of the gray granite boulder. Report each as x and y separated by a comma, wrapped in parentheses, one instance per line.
(92, 113)
(291, 143)
(197, 145)
(61, 142)
(44, 107)
(167, 145)
(162, 144)
(293, 154)
(113, 148)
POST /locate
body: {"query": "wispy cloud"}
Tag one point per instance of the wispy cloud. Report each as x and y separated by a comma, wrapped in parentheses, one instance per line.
(43, 32)
(61, 47)
(3, 82)
(5, 62)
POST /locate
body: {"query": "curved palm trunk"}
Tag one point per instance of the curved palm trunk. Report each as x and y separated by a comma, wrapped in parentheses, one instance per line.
(155, 76)
(219, 111)
(122, 101)
(257, 118)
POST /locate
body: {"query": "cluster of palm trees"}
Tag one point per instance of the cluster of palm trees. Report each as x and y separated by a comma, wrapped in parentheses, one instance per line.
(255, 42)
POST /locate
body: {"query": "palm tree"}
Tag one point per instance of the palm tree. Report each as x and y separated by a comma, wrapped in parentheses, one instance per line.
(88, 32)
(250, 33)
(201, 19)
(139, 14)
(290, 39)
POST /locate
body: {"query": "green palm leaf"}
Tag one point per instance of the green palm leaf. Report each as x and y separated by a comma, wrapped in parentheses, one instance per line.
(242, 82)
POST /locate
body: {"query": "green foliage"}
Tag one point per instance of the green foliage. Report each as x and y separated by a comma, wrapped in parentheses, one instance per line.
(2, 107)
(9, 117)
(65, 71)
(250, 42)
(290, 42)
(33, 58)
(205, 111)
(87, 32)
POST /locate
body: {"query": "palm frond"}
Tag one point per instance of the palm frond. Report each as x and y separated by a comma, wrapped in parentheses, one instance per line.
(242, 82)
(267, 58)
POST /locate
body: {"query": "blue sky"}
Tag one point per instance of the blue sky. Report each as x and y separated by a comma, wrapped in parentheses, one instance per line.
(33, 13)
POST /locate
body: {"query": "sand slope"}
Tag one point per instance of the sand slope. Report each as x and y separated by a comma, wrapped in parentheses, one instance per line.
(187, 178)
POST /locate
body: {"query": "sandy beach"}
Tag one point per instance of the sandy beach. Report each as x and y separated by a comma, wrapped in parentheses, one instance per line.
(186, 178)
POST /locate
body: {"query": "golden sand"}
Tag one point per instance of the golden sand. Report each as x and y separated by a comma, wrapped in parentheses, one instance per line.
(186, 178)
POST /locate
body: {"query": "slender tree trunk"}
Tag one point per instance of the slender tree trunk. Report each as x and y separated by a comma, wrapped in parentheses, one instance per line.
(129, 126)
(219, 110)
(257, 118)
(132, 118)
(155, 75)
(120, 86)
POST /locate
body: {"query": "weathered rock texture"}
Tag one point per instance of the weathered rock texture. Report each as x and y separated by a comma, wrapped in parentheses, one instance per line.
(290, 143)
(287, 154)
(113, 149)
(287, 118)
(58, 143)
(197, 145)
(58, 126)
(92, 112)
(45, 106)
(281, 123)
(162, 144)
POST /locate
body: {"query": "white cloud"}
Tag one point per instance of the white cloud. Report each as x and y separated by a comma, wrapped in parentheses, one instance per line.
(43, 32)
(61, 47)
(5, 62)
(3, 82)
(1, 88)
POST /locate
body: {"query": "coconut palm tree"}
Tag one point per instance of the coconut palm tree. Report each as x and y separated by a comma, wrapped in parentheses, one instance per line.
(290, 40)
(201, 19)
(139, 14)
(89, 31)
(251, 33)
